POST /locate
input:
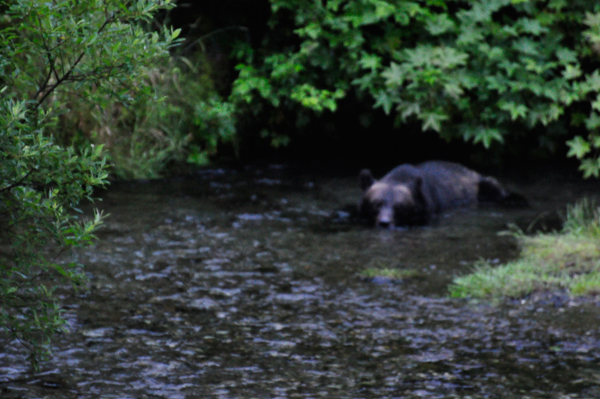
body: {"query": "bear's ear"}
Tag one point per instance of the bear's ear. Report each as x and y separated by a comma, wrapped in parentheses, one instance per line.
(366, 179)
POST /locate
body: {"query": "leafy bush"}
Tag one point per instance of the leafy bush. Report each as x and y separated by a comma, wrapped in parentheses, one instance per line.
(48, 51)
(41, 184)
(480, 70)
(182, 122)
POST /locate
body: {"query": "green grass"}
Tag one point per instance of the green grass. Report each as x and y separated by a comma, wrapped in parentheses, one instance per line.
(568, 260)
(583, 219)
(396, 274)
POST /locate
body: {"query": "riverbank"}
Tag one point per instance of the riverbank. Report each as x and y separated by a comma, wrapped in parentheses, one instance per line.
(566, 261)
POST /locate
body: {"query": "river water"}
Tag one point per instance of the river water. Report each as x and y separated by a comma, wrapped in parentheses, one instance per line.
(247, 285)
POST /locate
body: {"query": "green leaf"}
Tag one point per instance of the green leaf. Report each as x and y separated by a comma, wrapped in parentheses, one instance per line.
(394, 75)
(410, 109)
(453, 89)
(590, 167)
(483, 135)
(312, 31)
(557, 4)
(593, 121)
(470, 34)
(532, 26)
(440, 24)
(433, 120)
(370, 61)
(516, 110)
(578, 147)
(198, 157)
(526, 46)
(592, 20)
(384, 100)
(572, 72)
(315, 99)
(596, 103)
(566, 56)
(593, 81)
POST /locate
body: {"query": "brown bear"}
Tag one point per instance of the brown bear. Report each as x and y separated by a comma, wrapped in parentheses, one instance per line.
(414, 194)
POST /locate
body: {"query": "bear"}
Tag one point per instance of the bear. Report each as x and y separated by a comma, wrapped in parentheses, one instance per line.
(411, 195)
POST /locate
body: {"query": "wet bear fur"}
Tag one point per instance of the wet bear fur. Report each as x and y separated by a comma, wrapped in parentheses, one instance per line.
(414, 194)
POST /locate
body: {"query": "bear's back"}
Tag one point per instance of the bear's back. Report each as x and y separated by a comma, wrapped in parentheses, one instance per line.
(448, 185)
(445, 185)
(405, 173)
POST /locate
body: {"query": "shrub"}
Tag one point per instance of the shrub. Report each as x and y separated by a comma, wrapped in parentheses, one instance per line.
(481, 71)
(181, 123)
(51, 51)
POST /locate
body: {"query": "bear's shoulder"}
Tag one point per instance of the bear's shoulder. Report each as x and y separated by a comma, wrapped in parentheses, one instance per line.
(444, 166)
(403, 174)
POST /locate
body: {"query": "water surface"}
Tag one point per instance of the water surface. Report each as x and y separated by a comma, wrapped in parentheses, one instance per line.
(247, 284)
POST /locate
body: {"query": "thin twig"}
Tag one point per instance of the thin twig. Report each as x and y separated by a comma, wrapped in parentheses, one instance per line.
(45, 84)
(19, 183)
(67, 76)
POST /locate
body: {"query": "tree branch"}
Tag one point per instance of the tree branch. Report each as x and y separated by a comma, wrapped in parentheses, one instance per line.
(19, 183)
(66, 76)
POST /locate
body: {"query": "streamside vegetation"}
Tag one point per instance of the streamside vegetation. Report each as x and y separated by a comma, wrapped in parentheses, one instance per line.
(483, 71)
(178, 122)
(390, 273)
(566, 262)
(52, 52)
(494, 73)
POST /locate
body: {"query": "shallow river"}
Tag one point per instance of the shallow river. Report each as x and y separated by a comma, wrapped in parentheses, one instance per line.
(247, 285)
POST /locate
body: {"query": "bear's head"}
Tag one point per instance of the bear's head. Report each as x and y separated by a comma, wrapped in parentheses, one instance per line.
(389, 204)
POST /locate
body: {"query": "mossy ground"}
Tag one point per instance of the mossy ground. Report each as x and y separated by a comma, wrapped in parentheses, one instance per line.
(568, 260)
(393, 274)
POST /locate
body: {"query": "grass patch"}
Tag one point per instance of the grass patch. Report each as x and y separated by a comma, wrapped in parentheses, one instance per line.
(395, 274)
(568, 260)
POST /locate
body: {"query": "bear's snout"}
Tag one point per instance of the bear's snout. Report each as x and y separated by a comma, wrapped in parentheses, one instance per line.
(385, 218)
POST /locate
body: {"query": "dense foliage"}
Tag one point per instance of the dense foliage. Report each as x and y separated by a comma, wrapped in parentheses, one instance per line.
(480, 71)
(52, 50)
(147, 137)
